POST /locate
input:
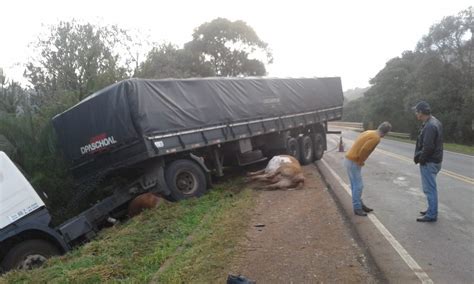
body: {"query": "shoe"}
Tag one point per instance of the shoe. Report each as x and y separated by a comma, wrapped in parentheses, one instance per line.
(426, 219)
(366, 209)
(360, 212)
(423, 213)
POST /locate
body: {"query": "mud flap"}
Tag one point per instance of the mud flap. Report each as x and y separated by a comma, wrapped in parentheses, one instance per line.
(155, 178)
(200, 162)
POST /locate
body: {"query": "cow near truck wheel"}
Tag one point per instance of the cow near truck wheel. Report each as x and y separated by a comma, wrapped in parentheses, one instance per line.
(168, 137)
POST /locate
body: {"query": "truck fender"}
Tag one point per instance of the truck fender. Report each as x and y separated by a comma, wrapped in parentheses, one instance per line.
(53, 234)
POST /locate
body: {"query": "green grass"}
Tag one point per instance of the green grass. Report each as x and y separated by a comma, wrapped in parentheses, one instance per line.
(134, 251)
(463, 149)
(458, 148)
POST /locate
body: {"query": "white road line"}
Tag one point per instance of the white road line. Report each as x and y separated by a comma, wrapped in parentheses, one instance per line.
(414, 266)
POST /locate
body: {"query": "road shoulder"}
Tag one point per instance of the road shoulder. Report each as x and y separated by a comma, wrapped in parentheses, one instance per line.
(386, 258)
(301, 237)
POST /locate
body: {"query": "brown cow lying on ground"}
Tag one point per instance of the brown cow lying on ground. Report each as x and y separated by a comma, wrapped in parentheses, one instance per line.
(142, 202)
(282, 172)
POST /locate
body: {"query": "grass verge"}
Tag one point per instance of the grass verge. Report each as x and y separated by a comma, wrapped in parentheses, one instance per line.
(457, 148)
(134, 251)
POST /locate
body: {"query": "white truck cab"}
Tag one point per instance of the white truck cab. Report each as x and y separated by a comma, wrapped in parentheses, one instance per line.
(26, 238)
(17, 197)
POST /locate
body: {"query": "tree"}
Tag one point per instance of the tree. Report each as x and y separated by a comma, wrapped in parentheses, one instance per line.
(453, 40)
(77, 59)
(439, 70)
(29, 140)
(388, 98)
(355, 110)
(218, 48)
(72, 61)
(448, 75)
(12, 96)
(355, 93)
(168, 61)
(231, 48)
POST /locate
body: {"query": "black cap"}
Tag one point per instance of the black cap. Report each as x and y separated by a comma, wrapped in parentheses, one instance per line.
(422, 107)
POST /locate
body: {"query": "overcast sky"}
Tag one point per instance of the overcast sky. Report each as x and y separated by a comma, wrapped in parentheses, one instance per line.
(350, 39)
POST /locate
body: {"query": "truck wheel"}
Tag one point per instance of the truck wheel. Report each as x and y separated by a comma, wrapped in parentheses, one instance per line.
(318, 141)
(29, 254)
(185, 179)
(293, 147)
(306, 149)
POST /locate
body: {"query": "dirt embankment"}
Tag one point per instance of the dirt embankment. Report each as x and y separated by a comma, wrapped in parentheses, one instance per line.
(300, 236)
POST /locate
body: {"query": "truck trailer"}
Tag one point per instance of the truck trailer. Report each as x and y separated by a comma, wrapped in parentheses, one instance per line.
(169, 137)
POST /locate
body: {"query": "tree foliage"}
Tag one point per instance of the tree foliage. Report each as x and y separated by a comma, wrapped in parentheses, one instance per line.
(77, 59)
(168, 61)
(12, 96)
(352, 94)
(231, 48)
(219, 48)
(72, 61)
(32, 145)
(439, 71)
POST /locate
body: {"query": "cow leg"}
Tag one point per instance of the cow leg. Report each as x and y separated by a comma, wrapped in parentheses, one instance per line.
(274, 179)
(258, 178)
(298, 186)
(267, 176)
(284, 183)
(272, 176)
(249, 174)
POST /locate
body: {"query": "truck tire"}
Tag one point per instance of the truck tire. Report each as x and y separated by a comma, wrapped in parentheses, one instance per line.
(293, 147)
(29, 254)
(318, 141)
(185, 179)
(306, 150)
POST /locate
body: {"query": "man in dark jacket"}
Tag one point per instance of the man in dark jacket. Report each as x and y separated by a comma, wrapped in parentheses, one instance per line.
(429, 154)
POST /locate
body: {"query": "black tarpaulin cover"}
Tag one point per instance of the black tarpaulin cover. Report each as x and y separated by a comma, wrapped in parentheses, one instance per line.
(127, 110)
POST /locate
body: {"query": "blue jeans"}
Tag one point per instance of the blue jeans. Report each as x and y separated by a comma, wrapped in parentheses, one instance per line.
(428, 182)
(355, 176)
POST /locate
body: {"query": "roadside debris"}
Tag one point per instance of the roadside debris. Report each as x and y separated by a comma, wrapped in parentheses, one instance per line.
(239, 279)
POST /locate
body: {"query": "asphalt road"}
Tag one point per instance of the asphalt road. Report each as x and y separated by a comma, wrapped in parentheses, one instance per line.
(445, 249)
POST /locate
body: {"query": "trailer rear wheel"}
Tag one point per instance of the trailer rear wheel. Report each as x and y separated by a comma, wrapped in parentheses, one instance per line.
(185, 179)
(318, 141)
(29, 254)
(293, 147)
(306, 149)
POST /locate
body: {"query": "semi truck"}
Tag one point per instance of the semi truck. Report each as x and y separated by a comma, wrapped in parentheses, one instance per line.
(170, 137)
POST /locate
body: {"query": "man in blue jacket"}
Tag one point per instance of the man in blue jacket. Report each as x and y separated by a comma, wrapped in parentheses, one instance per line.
(429, 154)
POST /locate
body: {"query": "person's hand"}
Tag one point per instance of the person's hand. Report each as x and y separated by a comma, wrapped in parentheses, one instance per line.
(416, 159)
